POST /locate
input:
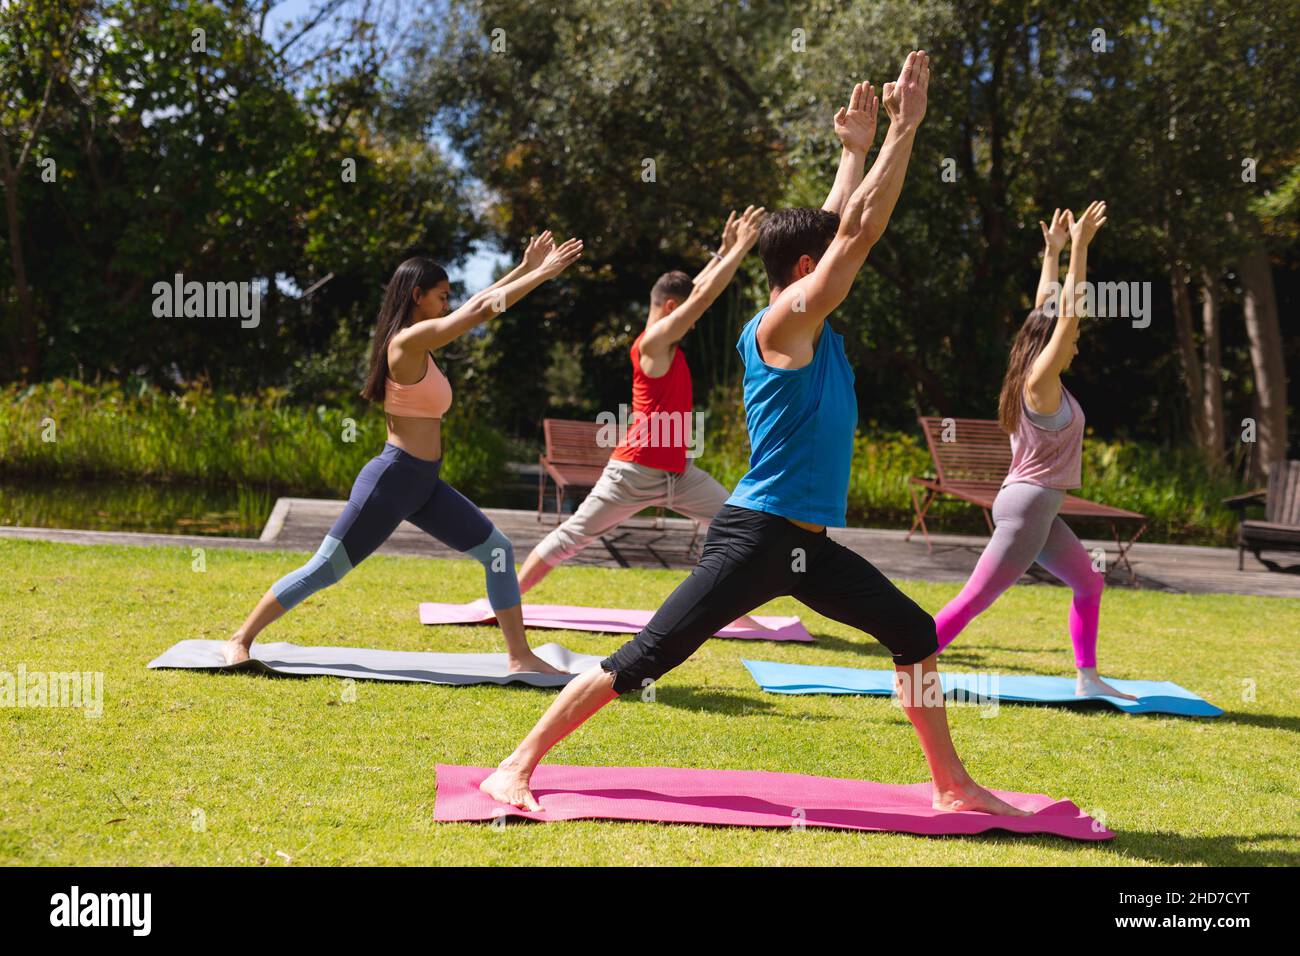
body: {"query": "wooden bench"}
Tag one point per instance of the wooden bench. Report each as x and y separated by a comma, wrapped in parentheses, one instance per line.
(574, 459)
(971, 466)
(1280, 529)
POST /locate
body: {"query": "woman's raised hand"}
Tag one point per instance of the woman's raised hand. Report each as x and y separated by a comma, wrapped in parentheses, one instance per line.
(561, 257)
(1058, 232)
(1085, 227)
(539, 247)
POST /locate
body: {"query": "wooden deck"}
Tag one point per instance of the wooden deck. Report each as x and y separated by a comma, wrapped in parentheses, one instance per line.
(298, 524)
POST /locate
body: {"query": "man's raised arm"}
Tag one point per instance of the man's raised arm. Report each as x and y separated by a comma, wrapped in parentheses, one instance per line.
(803, 304)
(856, 129)
(728, 240)
(668, 331)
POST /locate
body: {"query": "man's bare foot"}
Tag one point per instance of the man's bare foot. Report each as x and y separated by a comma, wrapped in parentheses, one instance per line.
(747, 623)
(972, 798)
(1090, 685)
(235, 651)
(510, 786)
(531, 664)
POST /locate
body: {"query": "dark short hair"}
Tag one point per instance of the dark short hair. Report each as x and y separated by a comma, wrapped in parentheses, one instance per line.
(788, 234)
(671, 285)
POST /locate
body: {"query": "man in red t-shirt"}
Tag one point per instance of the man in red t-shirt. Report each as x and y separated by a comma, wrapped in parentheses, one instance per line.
(652, 463)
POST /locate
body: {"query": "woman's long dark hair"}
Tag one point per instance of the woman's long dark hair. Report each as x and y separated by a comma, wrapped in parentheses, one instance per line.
(418, 272)
(1028, 345)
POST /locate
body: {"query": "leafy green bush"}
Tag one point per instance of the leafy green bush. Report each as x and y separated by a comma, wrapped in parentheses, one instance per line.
(71, 429)
(1172, 486)
(262, 441)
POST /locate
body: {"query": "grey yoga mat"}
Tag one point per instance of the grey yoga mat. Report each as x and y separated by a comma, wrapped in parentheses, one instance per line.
(363, 663)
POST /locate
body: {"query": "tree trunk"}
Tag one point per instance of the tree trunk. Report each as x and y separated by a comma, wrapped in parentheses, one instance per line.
(1187, 353)
(1260, 308)
(1212, 377)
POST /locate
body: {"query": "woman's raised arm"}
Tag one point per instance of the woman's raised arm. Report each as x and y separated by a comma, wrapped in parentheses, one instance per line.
(497, 298)
(1044, 381)
(1054, 237)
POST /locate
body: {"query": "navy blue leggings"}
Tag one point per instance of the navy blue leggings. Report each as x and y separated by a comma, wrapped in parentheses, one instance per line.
(395, 486)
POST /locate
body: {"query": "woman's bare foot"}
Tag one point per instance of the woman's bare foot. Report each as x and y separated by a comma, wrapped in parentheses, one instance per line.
(510, 786)
(235, 651)
(531, 664)
(747, 623)
(972, 798)
(1090, 685)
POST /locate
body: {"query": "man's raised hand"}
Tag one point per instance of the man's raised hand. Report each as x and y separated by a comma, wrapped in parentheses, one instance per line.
(728, 234)
(856, 125)
(747, 226)
(905, 99)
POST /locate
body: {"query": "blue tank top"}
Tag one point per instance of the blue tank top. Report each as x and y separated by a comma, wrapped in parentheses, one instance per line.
(801, 424)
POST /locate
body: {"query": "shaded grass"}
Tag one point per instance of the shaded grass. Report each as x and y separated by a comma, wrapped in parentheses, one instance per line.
(286, 766)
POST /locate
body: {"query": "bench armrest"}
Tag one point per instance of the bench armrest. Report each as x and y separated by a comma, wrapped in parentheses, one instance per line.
(1239, 503)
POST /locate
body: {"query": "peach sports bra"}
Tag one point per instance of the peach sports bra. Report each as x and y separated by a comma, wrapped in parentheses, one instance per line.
(430, 397)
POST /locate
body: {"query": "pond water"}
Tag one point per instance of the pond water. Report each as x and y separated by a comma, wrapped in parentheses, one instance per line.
(135, 506)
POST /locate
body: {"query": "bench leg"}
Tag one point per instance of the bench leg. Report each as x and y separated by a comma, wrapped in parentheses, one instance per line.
(541, 493)
(988, 519)
(920, 508)
(1123, 548)
(1121, 558)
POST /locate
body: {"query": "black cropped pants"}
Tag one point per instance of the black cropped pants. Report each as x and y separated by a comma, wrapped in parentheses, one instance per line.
(751, 557)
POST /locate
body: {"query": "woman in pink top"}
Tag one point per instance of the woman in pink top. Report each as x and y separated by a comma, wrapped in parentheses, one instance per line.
(1045, 423)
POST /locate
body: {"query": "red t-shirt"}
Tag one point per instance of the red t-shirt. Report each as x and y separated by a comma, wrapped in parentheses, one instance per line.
(660, 426)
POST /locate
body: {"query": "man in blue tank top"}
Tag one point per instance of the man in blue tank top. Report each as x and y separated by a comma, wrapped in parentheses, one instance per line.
(770, 537)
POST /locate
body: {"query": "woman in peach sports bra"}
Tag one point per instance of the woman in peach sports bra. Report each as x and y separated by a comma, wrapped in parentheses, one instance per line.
(1045, 423)
(401, 483)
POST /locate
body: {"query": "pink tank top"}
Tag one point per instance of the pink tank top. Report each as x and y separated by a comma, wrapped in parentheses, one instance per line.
(430, 397)
(1046, 457)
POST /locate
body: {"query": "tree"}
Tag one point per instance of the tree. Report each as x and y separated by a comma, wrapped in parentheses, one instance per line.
(636, 126)
(34, 55)
(189, 143)
(1204, 75)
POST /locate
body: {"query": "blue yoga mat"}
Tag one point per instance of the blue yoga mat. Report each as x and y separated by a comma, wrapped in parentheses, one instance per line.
(1154, 697)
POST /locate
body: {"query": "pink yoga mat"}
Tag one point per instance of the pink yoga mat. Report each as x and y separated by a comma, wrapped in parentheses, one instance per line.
(748, 798)
(603, 619)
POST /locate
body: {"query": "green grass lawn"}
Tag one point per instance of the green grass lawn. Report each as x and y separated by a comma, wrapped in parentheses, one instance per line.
(280, 768)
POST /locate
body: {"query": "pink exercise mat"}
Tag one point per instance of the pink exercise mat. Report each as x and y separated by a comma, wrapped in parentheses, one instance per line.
(603, 619)
(749, 798)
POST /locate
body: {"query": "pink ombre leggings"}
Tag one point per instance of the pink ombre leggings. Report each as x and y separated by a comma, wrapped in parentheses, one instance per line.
(1027, 529)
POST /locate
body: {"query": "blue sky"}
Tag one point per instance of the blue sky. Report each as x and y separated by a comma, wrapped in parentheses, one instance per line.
(478, 269)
